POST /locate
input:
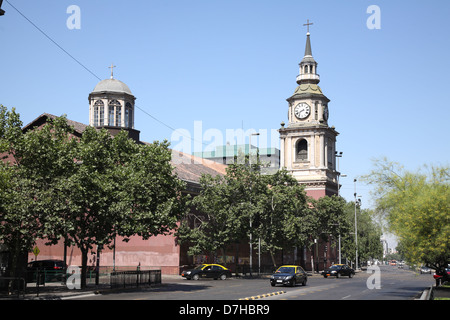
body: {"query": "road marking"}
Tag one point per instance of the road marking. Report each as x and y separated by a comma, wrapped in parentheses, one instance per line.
(263, 295)
(346, 297)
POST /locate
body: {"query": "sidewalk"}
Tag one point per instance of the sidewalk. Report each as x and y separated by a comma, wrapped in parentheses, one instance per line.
(59, 291)
(53, 291)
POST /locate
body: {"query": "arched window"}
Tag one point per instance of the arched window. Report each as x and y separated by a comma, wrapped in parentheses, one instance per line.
(114, 109)
(128, 115)
(118, 116)
(302, 150)
(306, 69)
(98, 111)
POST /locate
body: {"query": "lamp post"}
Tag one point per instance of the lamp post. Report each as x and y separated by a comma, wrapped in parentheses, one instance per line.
(339, 155)
(356, 226)
(251, 249)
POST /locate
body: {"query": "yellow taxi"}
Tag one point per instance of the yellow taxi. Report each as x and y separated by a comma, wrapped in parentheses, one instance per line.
(215, 271)
(289, 275)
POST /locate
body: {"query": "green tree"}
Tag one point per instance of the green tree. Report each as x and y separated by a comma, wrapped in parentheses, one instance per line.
(285, 219)
(369, 234)
(32, 160)
(416, 206)
(224, 208)
(84, 191)
(271, 208)
(116, 187)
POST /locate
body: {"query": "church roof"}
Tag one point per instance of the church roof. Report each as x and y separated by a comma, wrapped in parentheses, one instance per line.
(42, 119)
(308, 51)
(308, 88)
(187, 167)
(112, 85)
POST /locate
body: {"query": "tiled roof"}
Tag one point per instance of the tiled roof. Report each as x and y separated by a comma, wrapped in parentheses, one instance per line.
(191, 168)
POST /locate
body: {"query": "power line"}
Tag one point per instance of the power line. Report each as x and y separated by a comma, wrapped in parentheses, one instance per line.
(54, 42)
(88, 70)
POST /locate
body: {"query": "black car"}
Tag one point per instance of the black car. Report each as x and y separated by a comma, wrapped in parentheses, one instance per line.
(289, 275)
(338, 270)
(52, 270)
(215, 271)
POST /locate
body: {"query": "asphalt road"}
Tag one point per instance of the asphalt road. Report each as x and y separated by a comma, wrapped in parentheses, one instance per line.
(390, 284)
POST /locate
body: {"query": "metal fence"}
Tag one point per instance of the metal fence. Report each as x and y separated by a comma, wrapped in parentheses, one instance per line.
(125, 279)
(256, 270)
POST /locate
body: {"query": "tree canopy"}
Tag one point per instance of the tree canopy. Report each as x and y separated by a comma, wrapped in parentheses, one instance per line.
(416, 206)
(272, 208)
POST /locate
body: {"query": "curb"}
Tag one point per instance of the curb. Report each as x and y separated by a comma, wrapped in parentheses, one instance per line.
(264, 295)
(426, 294)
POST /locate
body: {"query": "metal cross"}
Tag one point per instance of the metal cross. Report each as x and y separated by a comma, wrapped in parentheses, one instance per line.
(308, 24)
(112, 70)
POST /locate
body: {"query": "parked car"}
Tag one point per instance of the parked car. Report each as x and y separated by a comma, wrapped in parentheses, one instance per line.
(53, 270)
(215, 271)
(447, 270)
(338, 270)
(289, 275)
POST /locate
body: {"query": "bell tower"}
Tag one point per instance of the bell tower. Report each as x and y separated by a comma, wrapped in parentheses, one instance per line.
(307, 143)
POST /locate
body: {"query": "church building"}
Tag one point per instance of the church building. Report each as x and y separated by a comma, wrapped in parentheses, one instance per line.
(307, 151)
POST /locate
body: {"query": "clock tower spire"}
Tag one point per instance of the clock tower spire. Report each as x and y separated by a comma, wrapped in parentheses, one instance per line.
(307, 143)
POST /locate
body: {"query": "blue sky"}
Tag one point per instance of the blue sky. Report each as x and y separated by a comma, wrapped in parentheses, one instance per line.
(234, 63)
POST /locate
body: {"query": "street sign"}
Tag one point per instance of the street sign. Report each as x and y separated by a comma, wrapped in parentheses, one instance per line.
(36, 251)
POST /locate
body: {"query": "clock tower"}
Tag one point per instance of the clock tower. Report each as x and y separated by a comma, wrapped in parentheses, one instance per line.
(307, 143)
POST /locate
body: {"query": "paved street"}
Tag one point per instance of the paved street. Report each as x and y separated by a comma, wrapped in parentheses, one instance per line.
(395, 284)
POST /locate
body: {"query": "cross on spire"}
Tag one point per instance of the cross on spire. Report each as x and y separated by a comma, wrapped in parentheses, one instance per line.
(112, 70)
(307, 24)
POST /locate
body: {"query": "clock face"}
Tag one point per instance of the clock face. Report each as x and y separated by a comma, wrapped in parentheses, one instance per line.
(302, 110)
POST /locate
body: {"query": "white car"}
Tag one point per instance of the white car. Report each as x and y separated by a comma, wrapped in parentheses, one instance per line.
(424, 269)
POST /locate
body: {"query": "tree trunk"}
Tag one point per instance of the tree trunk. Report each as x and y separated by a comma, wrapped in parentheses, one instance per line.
(84, 260)
(273, 258)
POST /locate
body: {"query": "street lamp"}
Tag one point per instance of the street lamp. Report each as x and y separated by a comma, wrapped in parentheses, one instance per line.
(259, 240)
(357, 201)
(339, 155)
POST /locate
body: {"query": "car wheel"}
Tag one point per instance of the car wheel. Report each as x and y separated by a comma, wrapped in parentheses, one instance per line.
(350, 275)
(304, 282)
(223, 277)
(272, 284)
(338, 275)
(195, 277)
(325, 276)
(292, 284)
